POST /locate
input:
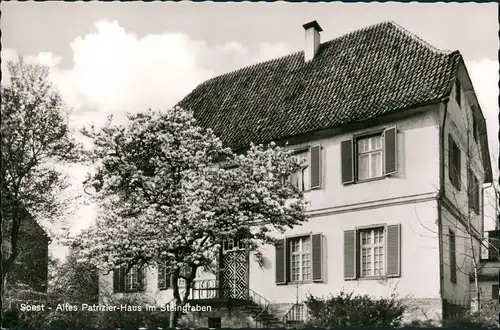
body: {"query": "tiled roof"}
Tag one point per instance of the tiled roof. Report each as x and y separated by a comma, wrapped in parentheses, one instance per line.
(361, 75)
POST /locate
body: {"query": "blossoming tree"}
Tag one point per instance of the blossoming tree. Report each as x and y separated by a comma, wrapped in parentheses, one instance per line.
(35, 136)
(170, 194)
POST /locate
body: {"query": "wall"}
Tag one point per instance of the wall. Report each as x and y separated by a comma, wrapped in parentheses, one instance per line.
(151, 293)
(407, 198)
(459, 290)
(419, 244)
(459, 125)
(417, 173)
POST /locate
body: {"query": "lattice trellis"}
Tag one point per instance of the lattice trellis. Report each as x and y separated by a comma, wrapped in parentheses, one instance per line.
(234, 275)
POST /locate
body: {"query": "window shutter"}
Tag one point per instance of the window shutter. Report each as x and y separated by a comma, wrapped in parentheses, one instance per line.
(123, 272)
(451, 164)
(141, 278)
(116, 279)
(453, 260)
(470, 189)
(316, 173)
(350, 254)
(478, 197)
(494, 291)
(458, 171)
(280, 262)
(347, 159)
(393, 250)
(317, 257)
(390, 151)
(162, 276)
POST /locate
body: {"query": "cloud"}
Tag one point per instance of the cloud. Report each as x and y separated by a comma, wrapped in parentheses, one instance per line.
(115, 72)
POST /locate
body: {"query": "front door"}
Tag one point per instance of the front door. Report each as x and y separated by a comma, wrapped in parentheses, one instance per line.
(234, 275)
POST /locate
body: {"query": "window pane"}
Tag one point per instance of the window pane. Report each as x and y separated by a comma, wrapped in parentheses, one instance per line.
(363, 167)
(376, 164)
(305, 178)
(377, 142)
(362, 145)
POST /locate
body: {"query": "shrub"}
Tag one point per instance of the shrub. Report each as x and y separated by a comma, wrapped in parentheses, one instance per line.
(487, 318)
(347, 310)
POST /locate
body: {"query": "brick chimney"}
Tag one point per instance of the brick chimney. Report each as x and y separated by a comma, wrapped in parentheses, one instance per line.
(312, 39)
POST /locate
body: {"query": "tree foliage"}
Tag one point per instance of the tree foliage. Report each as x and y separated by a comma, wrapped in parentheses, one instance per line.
(166, 196)
(35, 136)
(347, 310)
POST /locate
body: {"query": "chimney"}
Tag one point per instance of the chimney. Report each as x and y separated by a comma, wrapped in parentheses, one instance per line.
(312, 40)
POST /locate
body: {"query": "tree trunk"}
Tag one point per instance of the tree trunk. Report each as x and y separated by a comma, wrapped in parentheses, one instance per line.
(478, 293)
(5, 271)
(174, 318)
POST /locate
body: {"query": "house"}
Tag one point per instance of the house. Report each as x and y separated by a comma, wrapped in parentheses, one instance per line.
(396, 155)
(27, 280)
(488, 275)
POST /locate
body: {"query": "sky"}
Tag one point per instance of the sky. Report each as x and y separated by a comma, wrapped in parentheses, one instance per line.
(113, 58)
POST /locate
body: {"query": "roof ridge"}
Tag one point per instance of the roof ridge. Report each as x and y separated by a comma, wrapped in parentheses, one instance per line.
(247, 67)
(419, 39)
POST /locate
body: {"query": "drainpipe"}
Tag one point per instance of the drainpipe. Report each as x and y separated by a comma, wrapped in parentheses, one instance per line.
(441, 194)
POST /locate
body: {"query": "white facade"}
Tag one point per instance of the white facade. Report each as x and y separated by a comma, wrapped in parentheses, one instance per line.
(406, 201)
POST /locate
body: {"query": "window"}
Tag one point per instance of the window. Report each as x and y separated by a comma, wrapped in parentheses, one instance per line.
(232, 244)
(370, 156)
(494, 244)
(453, 257)
(458, 93)
(474, 192)
(300, 259)
(300, 179)
(214, 322)
(494, 291)
(309, 176)
(454, 162)
(372, 252)
(165, 278)
(128, 281)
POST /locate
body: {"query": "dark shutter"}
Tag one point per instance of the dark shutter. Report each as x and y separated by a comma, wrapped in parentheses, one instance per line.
(162, 276)
(394, 250)
(141, 278)
(458, 172)
(350, 254)
(317, 257)
(347, 159)
(454, 162)
(451, 160)
(477, 194)
(116, 280)
(280, 262)
(494, 291)
(390, 151)
(316, 173)
(453, 257)
(470, 189)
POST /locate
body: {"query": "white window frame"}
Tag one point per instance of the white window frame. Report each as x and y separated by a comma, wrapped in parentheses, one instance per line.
(302, 175)
(370, 152)
(371, 248)
(304, 259)
(131, 280)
